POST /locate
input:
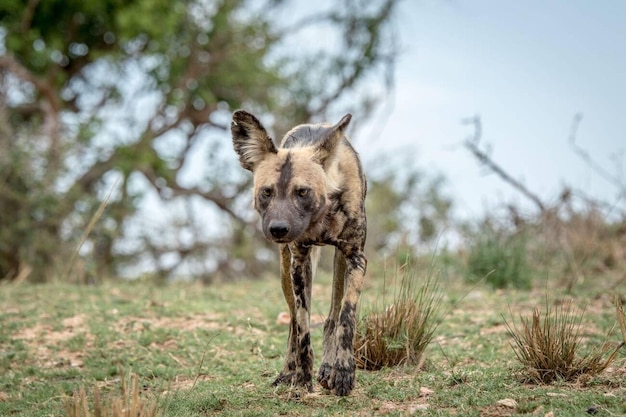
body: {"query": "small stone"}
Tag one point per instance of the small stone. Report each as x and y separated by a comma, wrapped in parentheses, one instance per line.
(418, 407)
(283, 318)
(556, 394)
(507, 402)
(425, 392)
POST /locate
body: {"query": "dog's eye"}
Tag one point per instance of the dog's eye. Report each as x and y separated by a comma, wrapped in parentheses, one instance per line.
(303, 192)
(266, 192)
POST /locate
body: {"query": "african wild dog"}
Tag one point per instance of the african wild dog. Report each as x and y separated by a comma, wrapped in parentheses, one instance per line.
(310, 192)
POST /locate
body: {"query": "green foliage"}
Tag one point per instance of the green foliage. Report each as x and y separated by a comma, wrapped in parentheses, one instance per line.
(28, 225)
(499, 257)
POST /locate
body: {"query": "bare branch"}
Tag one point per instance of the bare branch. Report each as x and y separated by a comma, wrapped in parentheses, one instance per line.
(595, 166)
(472, 143)
(353, 69)
(176, 190)
(607, 208)
(11, 64)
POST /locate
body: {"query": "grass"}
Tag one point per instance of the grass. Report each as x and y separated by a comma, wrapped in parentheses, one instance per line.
(398, 333)
(202, 351)
(500, 259)
(549, 346)
(128, 403)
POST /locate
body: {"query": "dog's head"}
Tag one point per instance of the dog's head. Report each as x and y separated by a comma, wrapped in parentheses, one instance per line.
(291, 184)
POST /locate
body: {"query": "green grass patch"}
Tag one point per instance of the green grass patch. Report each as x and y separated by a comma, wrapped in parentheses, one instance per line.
(202, 351)
(500, 259)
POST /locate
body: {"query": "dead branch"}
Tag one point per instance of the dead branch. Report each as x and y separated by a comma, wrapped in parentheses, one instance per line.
(594, 165)
(472, 144)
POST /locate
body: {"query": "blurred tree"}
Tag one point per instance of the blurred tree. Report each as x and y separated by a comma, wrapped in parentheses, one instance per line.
(408, 209)
(135, 96)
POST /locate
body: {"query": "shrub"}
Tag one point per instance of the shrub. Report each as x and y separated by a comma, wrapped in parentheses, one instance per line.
(499, 258)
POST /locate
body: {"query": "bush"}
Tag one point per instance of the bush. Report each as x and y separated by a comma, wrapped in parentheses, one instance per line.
(499, 258)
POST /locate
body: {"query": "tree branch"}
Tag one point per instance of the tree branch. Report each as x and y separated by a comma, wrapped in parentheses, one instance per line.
(177, 190)
(472, 143)
(370, 54)
(29, 12)
(51, 108)
(595, 166)
(11, 64)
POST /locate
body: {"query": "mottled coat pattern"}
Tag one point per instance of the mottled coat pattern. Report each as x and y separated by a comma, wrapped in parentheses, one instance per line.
(310, 191)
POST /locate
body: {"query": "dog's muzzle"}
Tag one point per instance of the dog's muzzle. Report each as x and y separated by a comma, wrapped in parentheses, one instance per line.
(279, 229)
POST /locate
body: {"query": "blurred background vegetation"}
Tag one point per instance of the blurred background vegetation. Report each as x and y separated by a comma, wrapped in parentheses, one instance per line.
(125, 106)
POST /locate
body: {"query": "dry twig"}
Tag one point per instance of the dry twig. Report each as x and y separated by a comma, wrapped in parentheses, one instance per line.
(472, 144)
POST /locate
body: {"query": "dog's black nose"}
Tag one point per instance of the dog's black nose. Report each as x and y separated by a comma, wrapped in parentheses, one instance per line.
(279, 229)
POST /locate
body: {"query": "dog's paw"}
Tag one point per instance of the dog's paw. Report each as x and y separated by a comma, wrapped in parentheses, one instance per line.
(343, 379)
(323, 375)
(303, 380)
(283, 378)
(338, 379)
(296, 387)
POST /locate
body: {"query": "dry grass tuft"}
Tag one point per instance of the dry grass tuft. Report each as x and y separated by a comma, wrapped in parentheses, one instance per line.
(127, 404)
(621, 318)
(548, 346)
(400, 333)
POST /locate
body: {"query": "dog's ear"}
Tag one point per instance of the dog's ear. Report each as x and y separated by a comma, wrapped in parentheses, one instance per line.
(250, 140)
(328, 143)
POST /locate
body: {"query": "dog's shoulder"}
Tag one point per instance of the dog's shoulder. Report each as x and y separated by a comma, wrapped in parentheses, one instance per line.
(305, 135)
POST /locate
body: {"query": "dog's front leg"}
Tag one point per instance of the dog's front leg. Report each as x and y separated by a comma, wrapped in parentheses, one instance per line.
(337, 371)
(289, 368)
(330, 342)
(301, 280)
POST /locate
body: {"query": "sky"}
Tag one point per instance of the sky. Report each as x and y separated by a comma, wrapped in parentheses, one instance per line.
(526, 68)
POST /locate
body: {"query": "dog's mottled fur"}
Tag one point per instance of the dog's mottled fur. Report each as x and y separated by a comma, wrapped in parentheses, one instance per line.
(310, 191)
